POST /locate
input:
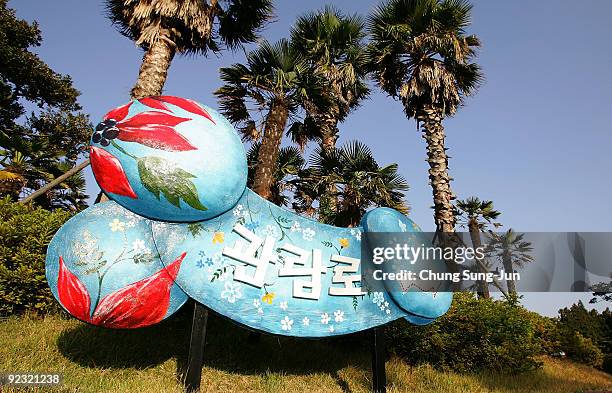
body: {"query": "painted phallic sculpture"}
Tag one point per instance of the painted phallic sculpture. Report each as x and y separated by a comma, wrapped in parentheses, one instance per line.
(182, 223)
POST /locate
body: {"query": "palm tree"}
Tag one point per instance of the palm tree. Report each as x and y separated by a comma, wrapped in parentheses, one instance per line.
(512, 251)
(276, 81)
(476, 215)
(290, 162)
(332, 43)
(11, 184)
(421, 55)
(166, 27)
(359, 181)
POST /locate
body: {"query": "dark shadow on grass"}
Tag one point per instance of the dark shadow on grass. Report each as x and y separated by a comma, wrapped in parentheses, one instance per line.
(232, 348)
(91, 346)
(229, 347)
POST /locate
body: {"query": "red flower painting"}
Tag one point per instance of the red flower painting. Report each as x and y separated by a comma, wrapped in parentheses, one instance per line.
(109, 173)
(140, 304)
(159, 102)
(155, 128)
(151, 128)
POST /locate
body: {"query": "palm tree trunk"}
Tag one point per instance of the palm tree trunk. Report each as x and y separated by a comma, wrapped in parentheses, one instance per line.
(328, 204)
(74, 170)
(329, 136)
(433, 133)
(154, 68)
(350, 215)
(444, 216)
(508, 268)
(483, 287)
(270, 145)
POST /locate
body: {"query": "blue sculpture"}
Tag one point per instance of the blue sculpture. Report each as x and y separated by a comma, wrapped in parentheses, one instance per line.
(181, 165)
(104, 269)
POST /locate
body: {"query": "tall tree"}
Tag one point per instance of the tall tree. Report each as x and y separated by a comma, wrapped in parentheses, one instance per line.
(275, 81)
(360, 183)
(333, 44)
(421, 55)
(476, 215)
(163, 28)
(511, 250)
(589, 323)
(36, 150)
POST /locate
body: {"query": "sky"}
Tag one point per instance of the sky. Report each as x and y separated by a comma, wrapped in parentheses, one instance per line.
(535, 139)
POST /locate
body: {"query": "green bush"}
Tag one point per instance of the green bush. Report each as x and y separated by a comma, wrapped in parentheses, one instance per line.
(589, 323)
(582, 349)
(25, 233)
(473, 335)
(546, 333)
(586, 335)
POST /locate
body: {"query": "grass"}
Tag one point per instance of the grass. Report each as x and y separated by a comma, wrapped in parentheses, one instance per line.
(149, 360)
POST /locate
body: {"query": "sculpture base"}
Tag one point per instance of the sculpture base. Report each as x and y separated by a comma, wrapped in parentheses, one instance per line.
(195, 358)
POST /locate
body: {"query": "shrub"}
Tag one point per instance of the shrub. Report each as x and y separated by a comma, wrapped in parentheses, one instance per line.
(25, 233)
(582, 349)
(546, 333)
(589, 323)
(586, 335)
(473, 335)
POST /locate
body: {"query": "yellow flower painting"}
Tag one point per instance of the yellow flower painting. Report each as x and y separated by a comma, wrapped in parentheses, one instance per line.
(218, 237)
(268, 297)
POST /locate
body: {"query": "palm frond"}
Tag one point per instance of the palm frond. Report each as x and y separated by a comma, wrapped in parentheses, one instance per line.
(242, 20)
(191, 23)
(359, 183)
(333, 47)
(420, 53)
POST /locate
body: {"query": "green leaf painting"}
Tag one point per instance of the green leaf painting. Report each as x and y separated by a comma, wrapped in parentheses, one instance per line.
(162, 176)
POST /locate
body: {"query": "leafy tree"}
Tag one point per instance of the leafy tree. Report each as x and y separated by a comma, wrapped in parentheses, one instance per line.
(37, 150)
(421, 55)
(24, 75)
(582, 349)
(359, 183)
(586, 335)
(476, 214)
(290, 162)
(602, 291)
(163, 28)
(511, 250)
(275, 81)
(589, 323)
